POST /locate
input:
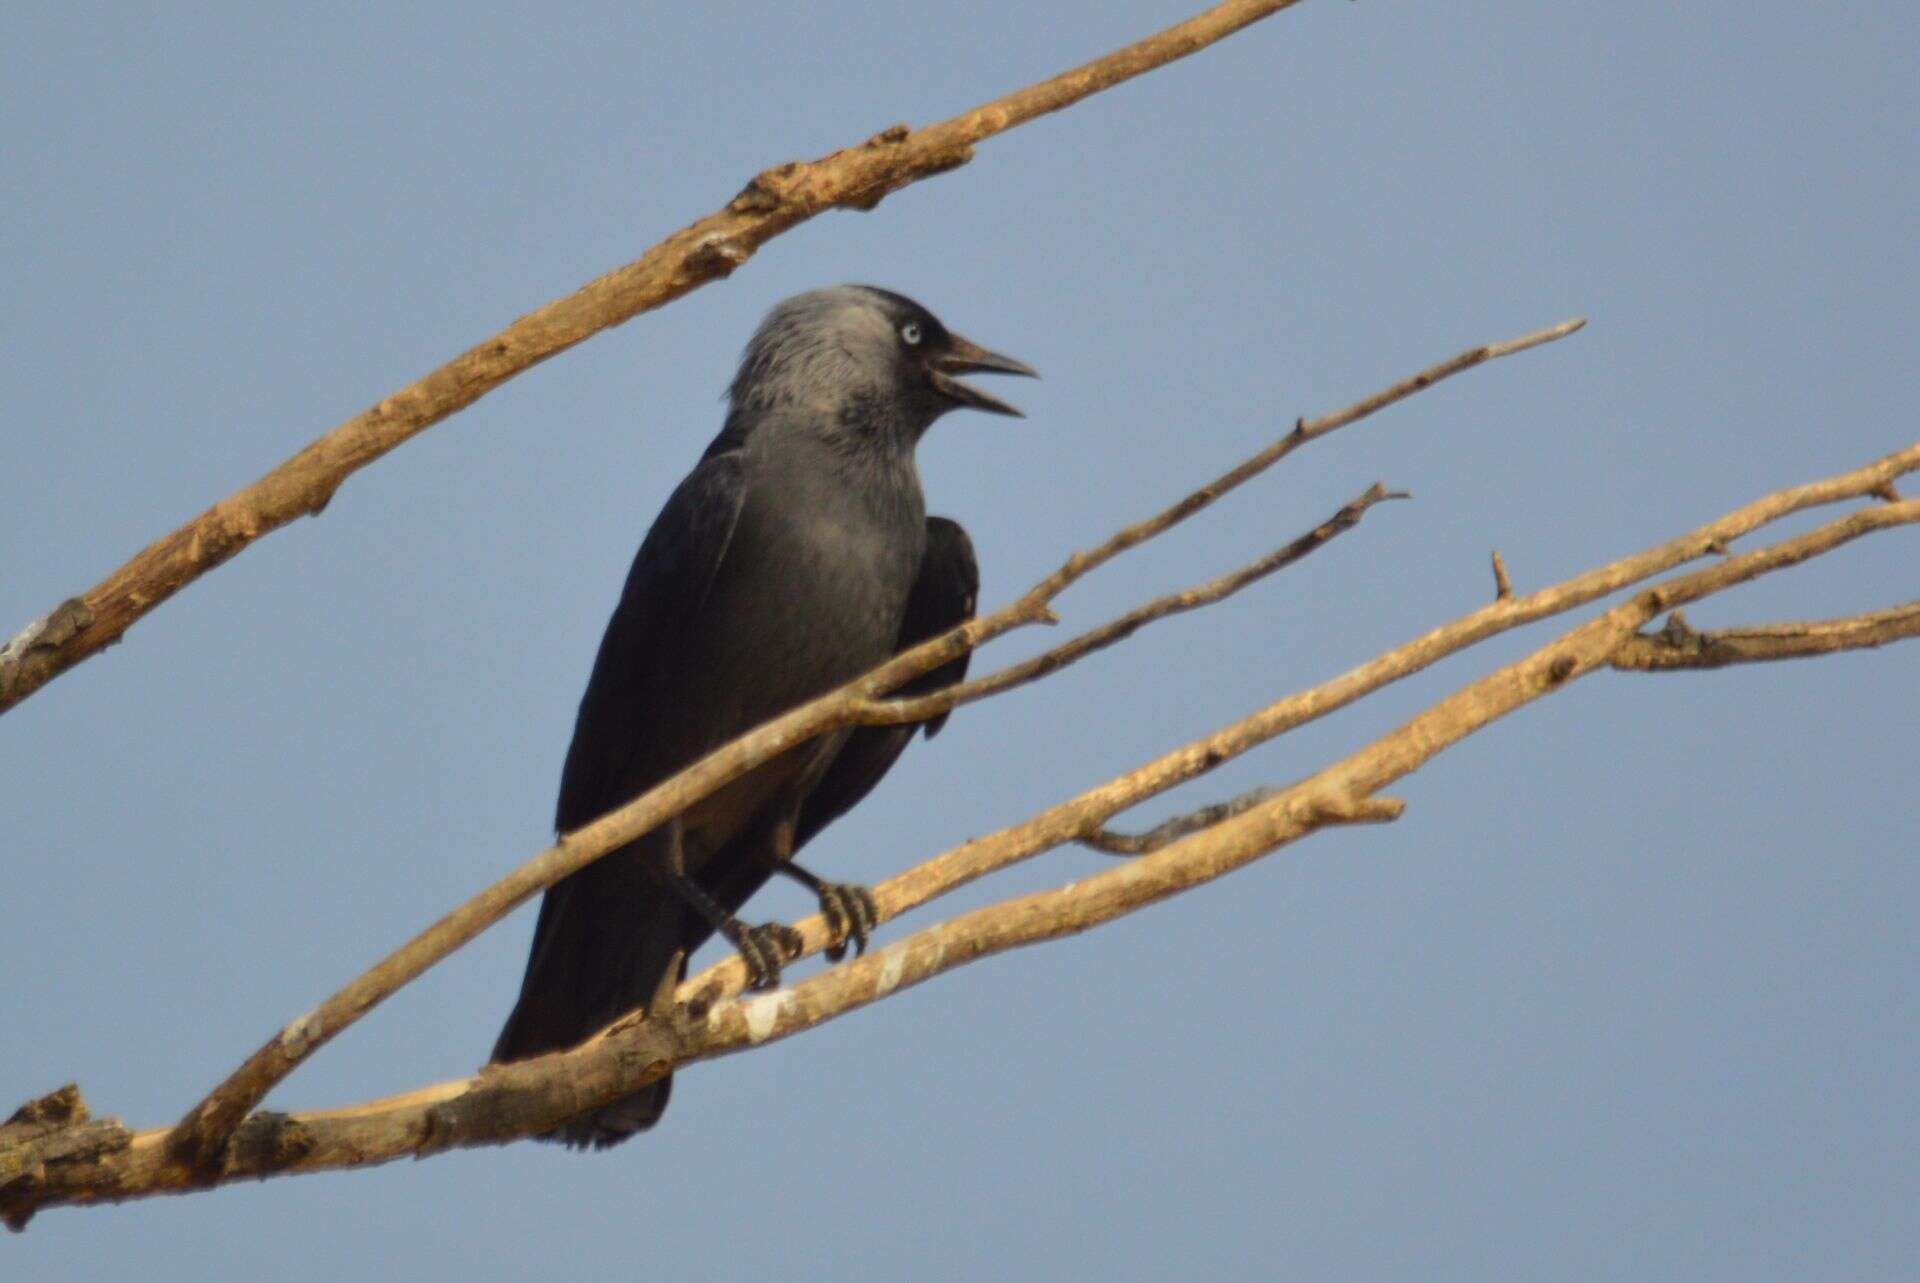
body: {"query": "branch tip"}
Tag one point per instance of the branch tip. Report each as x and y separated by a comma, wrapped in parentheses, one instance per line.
(1571, 326)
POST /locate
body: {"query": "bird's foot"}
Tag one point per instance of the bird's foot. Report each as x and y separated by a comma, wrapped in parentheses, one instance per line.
(851, 915)
(765, 949)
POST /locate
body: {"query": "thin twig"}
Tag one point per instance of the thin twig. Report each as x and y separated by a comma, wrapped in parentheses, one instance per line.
(1678, 647)
(207, 1126)
(1304, 431)
(1502, 586)
(709, 249)
(893, 711)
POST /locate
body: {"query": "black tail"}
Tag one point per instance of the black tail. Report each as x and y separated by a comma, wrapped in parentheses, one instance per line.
(605, 941)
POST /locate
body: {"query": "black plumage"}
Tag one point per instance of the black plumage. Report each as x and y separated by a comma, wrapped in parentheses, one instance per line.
(796, 555)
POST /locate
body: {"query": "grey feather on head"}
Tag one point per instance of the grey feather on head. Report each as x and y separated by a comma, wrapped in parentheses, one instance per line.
(821, 349)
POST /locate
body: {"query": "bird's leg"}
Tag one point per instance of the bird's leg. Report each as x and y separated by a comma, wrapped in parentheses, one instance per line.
(848, 907)
(764, 948)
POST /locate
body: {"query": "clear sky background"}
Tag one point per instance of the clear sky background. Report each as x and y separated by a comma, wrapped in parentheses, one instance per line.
(1628, 994)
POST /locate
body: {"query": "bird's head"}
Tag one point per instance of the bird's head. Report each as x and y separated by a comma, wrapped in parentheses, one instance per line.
(869, 355)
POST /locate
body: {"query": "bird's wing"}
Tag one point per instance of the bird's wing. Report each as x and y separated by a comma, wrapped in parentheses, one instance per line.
(943, 595)
(671, 576)
(599, 946)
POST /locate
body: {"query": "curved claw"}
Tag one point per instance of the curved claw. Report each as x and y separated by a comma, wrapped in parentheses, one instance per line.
(765, 949)
(851, 914)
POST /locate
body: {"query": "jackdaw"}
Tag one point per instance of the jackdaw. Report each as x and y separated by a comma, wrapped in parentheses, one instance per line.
(796, 555)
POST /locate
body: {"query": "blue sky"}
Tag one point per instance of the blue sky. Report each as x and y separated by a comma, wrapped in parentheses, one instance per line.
(1629, 991)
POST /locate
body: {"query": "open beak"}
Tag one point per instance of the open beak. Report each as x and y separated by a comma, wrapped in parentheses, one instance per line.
(966, 357)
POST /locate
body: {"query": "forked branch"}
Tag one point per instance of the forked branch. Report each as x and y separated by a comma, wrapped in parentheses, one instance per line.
(711, 1019)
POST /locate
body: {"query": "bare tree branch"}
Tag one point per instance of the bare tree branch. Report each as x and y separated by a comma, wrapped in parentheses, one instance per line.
(532, 1096)
(207, 1126)
(508, 1102)
(709, 249)
(893, 711)
(1677, 646)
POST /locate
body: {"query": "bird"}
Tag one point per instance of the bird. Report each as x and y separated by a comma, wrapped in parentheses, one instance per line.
(795, 556)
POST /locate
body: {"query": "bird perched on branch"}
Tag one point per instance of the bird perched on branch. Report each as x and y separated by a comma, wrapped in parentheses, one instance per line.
(796, 555)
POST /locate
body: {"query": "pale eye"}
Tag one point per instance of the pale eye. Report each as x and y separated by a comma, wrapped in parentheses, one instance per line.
(910, 334)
